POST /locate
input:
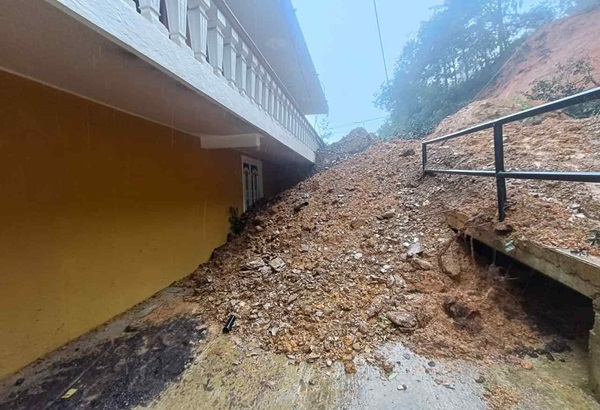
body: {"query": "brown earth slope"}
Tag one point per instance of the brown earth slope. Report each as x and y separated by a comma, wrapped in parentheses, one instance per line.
(574, 37)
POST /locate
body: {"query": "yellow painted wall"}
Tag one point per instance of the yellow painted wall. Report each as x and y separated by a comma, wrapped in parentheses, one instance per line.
(98, 210)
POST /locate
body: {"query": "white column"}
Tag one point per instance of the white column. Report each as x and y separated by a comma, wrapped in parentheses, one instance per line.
(251, 77)
(177, 13)
(216, 26)
(230, 54)
(198, 22)
(277, 114)
(260, 72)
(151, 10)
(241, 66)
(270, 95)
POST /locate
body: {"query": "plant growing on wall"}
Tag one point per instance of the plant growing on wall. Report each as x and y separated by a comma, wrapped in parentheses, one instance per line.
(236, 225)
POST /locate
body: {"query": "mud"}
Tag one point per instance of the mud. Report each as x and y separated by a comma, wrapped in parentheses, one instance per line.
(130, 370)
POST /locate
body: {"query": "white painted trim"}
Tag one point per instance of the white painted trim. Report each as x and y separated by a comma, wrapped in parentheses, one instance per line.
(258, 164)
(131, 31)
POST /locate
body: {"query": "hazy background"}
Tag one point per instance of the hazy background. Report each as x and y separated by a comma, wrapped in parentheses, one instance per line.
(343, 41)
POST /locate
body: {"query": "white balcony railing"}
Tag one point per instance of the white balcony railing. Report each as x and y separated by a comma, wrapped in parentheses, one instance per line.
(216, 37)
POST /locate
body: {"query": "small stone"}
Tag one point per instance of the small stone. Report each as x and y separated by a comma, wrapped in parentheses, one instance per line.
(480, 379)
(388, 214)
(422, 264)
(278, 264)
(581, 216)
(19, 381)
(414, 250)
(402, 387)
(526, 364)
(357, 223)
(431, 363)
(328, 362)
(255, 263)
(358, 255)
(388, 366)
(406, 356)
(266, 270)
(273, 331)
(404, 320)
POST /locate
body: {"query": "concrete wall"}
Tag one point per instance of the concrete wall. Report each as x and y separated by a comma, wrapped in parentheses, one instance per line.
(98, 210)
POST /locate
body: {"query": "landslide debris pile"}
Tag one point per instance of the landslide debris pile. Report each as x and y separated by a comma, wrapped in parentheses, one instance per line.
(360, 254)
(354, 143)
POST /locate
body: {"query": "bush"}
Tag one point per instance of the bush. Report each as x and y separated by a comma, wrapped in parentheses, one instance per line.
(571, 78)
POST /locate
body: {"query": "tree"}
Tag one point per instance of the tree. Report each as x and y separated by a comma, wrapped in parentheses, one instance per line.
(451, 58)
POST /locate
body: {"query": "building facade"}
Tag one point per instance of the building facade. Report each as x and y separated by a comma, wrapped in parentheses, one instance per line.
(128, 130)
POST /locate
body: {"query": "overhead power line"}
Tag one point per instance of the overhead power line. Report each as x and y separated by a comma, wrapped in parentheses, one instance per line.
(380, 40)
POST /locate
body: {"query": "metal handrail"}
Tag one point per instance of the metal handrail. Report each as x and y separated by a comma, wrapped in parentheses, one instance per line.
(500, 173)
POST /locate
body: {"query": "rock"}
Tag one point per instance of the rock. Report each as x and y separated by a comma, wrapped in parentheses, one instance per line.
(480, 379)
(451, 265)
(358, 255)
(300, 205)
(421, 264)
(357, 223)
(376, 306)
(255, 263)
(266, 270)
(328, 362)
(388, 366)
(526, 364)
(414, 250)
(388, 214)
(363, 328)
(431, 363)
(402, 387)
(19, 381)
(278, 264)
(404, 320)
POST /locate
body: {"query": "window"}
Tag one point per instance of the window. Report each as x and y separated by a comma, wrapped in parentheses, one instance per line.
(252, 181)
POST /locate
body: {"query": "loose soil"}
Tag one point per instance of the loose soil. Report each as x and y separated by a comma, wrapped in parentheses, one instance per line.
(360, 254)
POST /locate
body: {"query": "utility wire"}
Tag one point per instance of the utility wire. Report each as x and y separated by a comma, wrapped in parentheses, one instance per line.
(380, 40)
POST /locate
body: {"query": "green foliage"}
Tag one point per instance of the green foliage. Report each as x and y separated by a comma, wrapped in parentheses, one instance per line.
(571, 78)
(453, 56)
(236, 224)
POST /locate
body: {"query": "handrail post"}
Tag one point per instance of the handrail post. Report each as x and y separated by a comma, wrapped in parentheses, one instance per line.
(499, 164)
(424, 156)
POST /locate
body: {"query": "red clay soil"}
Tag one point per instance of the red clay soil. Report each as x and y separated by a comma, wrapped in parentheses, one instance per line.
(575, 37)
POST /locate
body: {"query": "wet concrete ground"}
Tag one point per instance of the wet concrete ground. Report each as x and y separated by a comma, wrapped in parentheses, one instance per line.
(228, 376)
(215, 371)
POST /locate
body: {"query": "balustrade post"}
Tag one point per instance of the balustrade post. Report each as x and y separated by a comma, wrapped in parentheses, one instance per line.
(230, 58)
(251, 76)
(151, 10)
(270, 95)
(198, 23)
(177, 14)
(216, 27)
(241, 67)
(259, 85)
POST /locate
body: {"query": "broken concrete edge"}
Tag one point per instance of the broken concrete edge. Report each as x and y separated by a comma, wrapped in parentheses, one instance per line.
(579, 273)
